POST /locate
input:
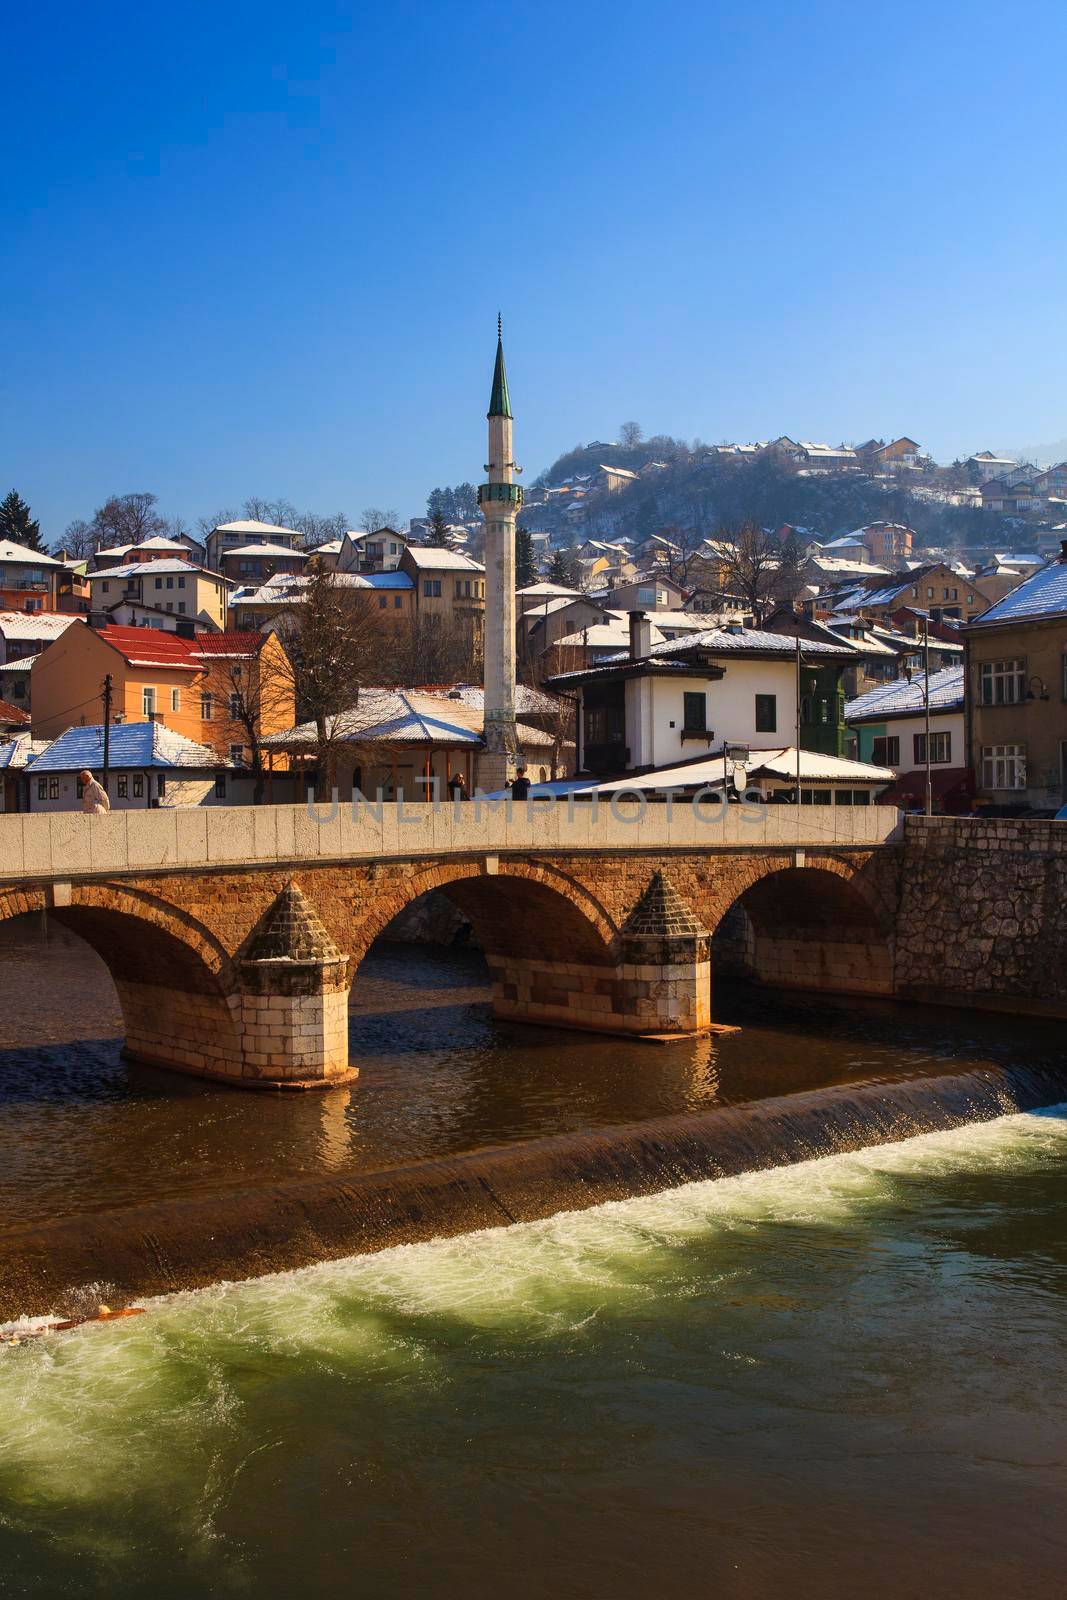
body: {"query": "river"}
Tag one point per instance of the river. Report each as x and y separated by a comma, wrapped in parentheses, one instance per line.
(839, 1378)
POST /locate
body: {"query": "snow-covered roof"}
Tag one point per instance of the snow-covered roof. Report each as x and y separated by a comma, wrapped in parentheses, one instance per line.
(10, 551)
(901, 698)
(23, 664)
(332, 547)
(266, 550)
(290, 588)
(540, 590)
(20, 751)
(404, 716)
(148, 569)
(1044, 594)
(731, 640)
(432, 557)
(249, 525)
(34, 624)
(132, 744)
(528, 700)
(156, 541)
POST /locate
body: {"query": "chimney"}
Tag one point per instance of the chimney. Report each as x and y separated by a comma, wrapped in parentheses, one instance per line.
(640, 635)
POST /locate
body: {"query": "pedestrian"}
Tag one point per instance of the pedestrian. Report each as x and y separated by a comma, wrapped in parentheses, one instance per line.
(456, 787)
(520, 785)
(94, 796)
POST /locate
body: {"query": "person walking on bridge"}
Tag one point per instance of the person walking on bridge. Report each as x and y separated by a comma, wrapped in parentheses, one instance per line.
(94, 796)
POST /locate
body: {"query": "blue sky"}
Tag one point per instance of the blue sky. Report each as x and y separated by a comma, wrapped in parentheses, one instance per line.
(260, 248)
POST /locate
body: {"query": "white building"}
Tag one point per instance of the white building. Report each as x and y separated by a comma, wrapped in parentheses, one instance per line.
(887, 726)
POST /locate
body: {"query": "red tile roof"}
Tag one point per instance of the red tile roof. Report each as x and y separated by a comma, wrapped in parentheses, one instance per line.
(10, 713)
(152, 647)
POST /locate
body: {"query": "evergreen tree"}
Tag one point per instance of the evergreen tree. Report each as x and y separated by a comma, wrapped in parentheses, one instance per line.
(562, 570)
(438, 534)
(16, 523)
(525, 566)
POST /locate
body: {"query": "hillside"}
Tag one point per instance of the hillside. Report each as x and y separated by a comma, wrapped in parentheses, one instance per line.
(701, 489)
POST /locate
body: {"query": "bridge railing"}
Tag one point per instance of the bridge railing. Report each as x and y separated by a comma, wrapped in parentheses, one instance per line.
(72, 845)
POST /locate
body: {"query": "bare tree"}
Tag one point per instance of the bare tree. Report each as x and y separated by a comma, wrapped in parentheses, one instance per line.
(750, 557)
(253, 686)
(374, 519)
(435, 650)
(630, 435)
(78, 539)
(334, 644)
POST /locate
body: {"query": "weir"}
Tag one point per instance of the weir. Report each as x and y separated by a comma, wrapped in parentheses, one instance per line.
(159, 1248)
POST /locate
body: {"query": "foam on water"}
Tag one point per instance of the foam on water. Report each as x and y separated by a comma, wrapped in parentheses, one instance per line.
(155, 1421)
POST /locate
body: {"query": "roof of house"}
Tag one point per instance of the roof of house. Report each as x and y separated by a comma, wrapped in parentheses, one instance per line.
(10, 551)
(542, 589)
(902, 699)
(332, 547)
(35, 624)
(151, 647)
(433, 557)
(266, 550)
(20, 751)
(290, 588)
(528, 700)
(13, 715)
(155, 541)
(1044, 594)
(131, 744)
(407, 717)
(23, 664)
(249, 525)
(674, 655)
(148, 569)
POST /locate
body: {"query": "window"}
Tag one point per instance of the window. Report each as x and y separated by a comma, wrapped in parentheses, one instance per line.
(1003, 683)
(206, 707)
(1003, 766)
(106, 587)
(138, 786)
(398, 601)
(148, 700)
(383, 601)
(970, 599)
(915, 594)
(161, 784)
(181, 605)
(175, 699)
(53, 788)
(431, 588)
(181, 583)
(940, 748)
(694, 712)
(646, 597)
(220, 786)
(79, 788)
(159, 583)
(237, 754)
(123, 787)
(929, 592)
(885, 752)
(42, 788)
(766, 713)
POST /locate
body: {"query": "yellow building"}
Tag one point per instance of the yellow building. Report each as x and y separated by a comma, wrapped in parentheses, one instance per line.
(167, 585)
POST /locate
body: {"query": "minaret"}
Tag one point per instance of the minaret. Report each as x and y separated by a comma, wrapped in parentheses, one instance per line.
(500, 500)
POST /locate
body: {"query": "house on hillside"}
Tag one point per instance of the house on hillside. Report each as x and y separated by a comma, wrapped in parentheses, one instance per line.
(24, 633)
(448, 585)
(264, 606)
(231, 535)
(157, 547)
(380, 551)
(17, 755)
(256, 563)
(28, 578)
(611, 479)
(999, 495)
(194, 593)
(652, 591)
(987, 464)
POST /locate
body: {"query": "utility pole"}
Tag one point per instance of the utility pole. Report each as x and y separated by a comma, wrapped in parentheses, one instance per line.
(798, 720)
(926, 697)
(107, 730)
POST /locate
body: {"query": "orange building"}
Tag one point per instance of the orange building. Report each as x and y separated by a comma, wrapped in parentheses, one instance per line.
(28, 579)
(220, 689)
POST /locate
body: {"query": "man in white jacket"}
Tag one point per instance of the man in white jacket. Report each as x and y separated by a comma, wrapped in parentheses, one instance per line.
(94, 796)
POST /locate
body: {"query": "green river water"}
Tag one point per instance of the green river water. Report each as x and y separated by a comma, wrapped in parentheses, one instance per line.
(842, 1378)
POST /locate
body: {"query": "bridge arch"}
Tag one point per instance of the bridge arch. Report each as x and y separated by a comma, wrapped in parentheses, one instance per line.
(816, 926)
(526, 908)
(175, 982)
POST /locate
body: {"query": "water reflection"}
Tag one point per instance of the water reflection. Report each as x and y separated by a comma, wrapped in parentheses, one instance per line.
(82, 1129)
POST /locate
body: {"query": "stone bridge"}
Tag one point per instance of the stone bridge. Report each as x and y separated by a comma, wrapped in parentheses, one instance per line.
(233, 935)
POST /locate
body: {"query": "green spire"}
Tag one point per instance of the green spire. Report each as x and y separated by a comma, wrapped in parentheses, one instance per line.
(499, 400)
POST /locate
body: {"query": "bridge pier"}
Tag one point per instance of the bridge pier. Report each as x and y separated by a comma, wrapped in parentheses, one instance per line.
(293, 1001)
(660, 985)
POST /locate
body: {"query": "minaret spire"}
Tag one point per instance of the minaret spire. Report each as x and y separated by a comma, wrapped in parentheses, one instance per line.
(500, 500)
